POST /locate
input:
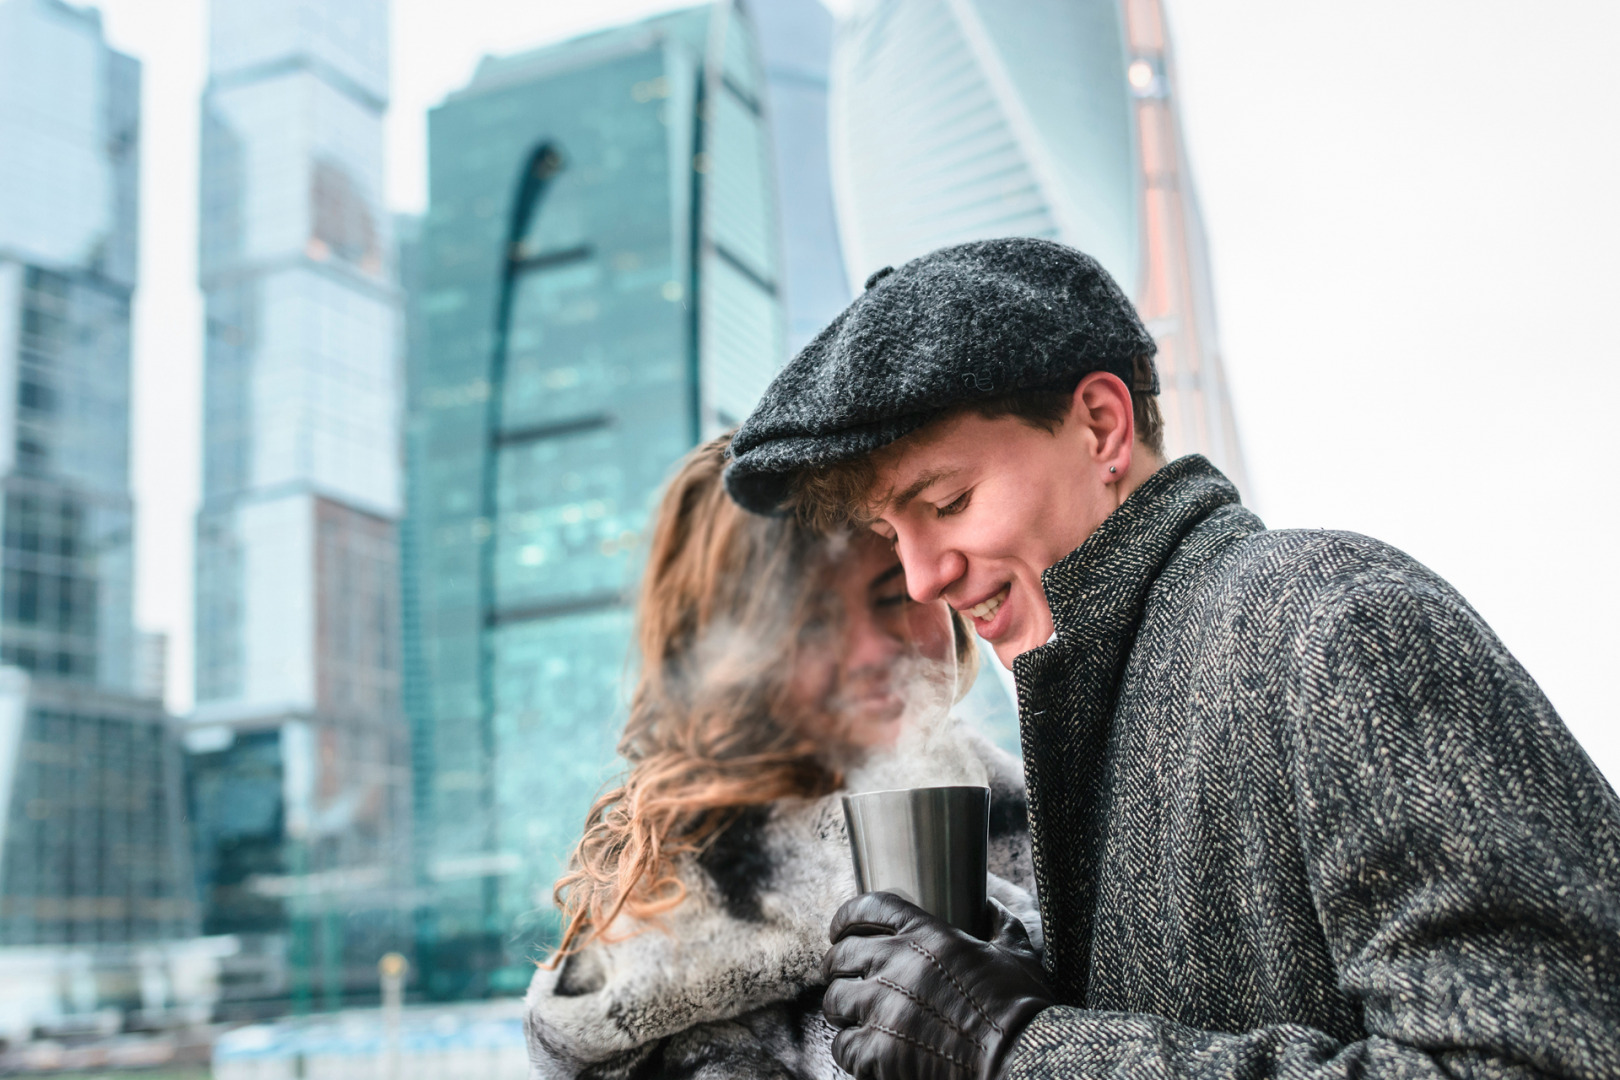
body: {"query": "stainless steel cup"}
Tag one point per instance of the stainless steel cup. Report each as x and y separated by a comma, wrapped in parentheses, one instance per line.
(929, 845)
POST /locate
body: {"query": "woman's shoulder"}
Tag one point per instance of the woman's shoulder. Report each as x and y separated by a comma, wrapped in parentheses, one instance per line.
(750, 932)
(746, 943)
(785, 1040)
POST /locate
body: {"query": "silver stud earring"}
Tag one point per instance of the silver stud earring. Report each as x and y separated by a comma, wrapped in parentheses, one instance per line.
(1112, 469)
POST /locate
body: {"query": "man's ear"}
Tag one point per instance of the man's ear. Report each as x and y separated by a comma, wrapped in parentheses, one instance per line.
(1102, 408)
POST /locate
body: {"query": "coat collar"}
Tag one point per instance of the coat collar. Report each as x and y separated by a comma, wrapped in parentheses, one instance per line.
(1099, 588)
(1179, 519)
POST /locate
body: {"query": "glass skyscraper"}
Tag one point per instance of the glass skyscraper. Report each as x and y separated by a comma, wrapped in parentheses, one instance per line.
(599, 288)
(298, 771)
(957, 120)
(93, 864)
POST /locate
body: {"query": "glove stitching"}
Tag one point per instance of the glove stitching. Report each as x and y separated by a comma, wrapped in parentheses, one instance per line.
(918, 949)
(947, 1021)
(903, 1037)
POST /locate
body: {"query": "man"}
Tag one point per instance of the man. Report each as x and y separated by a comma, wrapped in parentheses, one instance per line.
(1296, 811)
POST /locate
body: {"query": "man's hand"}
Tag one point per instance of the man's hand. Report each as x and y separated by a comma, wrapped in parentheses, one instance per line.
(918, 999)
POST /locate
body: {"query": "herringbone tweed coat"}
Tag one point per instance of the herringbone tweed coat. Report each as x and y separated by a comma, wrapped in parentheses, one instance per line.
(1298, 813)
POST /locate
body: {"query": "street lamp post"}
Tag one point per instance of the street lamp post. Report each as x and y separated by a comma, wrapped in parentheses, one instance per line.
(391, 970)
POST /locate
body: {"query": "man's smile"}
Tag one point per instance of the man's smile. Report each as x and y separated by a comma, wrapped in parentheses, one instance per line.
(992, 615)
(986, 609)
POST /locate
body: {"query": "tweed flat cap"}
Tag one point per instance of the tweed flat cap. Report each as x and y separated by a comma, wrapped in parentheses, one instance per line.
(972, 321)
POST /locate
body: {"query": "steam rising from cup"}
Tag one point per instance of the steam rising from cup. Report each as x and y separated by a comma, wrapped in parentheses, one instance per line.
(835, 649)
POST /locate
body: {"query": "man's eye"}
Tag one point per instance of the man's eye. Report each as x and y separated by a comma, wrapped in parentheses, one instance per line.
(894, 601)
(955, 506)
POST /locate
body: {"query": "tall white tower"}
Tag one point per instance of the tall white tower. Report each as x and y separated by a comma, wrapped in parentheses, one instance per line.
(958, 120)
(297, 549)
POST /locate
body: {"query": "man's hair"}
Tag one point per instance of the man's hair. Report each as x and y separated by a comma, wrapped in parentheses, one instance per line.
(837, 495)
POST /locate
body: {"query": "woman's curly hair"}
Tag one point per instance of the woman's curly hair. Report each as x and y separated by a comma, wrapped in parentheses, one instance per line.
(712, 727)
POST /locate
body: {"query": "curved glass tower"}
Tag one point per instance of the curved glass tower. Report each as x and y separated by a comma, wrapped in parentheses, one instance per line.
(957, 120)
(598, 290)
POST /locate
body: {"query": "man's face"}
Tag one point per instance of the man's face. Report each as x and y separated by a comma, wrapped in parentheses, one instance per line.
(977, 508)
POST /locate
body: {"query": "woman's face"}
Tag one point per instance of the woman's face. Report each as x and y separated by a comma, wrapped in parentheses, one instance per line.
(850, 676)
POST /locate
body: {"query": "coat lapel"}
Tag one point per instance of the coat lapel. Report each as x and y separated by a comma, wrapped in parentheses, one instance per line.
(1067, 690)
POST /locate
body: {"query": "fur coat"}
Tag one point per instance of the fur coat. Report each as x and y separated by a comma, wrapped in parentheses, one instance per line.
(729, 986)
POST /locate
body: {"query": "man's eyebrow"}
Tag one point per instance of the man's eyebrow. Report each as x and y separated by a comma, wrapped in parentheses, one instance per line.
(918, 486)
(888, 575)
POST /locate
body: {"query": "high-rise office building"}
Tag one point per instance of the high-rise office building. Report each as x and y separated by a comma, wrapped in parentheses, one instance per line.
(299, 766)
(92, 843)
(68, 185)
(93, 865)
(599, 289)
(957, 120)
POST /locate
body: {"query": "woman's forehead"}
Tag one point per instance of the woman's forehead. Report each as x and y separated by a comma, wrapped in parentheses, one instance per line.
(862, 559)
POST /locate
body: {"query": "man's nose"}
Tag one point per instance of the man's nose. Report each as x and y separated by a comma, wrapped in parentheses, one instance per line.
(930, 569)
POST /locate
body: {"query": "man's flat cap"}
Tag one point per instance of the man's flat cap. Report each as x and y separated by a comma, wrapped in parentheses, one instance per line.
(968, 322)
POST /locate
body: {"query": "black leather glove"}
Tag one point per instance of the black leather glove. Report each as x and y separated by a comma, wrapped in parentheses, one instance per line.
(918, 999)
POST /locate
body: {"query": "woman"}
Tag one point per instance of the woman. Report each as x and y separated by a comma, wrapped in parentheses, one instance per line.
(696, 904)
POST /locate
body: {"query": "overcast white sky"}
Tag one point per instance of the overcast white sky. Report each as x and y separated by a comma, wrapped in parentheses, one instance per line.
(1416, 234)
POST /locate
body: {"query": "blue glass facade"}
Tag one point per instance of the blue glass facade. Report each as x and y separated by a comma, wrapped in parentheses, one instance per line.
(92, 849)
(69, 118)
(599, 289)
(68, 537)
(92, 853)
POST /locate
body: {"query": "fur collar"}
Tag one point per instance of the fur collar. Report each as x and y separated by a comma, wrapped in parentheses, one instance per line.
(753, 928)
